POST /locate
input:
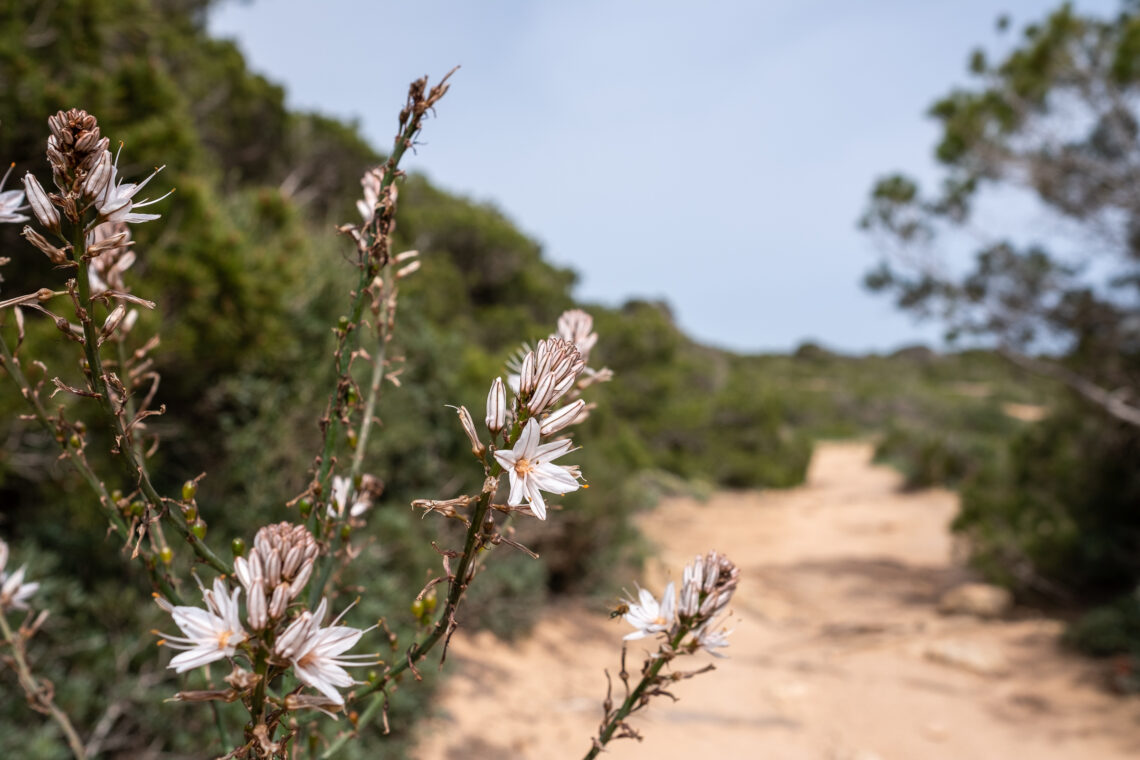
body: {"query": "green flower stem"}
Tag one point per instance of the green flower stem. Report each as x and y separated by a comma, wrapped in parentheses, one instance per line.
(36, 693)
(327, 560)
(133, 465)
(379, 357)
(420, 650)
(648, 679)
(368, 270)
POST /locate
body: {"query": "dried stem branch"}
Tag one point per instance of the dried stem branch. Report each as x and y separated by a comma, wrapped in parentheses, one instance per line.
(39, 694)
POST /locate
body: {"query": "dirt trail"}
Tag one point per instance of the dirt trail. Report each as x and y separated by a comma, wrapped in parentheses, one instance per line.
(834, 656)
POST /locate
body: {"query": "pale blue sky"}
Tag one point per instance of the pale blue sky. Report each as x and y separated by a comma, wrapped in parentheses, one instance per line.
(714, 154)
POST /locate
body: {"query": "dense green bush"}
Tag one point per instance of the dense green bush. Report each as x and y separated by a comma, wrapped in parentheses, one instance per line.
(1058, 515)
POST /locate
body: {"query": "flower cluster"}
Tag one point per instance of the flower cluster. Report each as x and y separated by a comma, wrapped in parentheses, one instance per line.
(14, 592)
(273, 574)
(275, 571)
(694, 621)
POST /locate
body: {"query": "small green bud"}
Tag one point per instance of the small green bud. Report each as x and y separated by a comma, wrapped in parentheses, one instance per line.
(191, 514)
(74, 441)
(305, 507)
(342, 323)
(189, 490)
(345, 532)
(166, 555)
(373, 676)
(429, 602)
(198, 529)
(418, 609)
(237, 546)
(351, 397)
(137, 509)
(116, 495)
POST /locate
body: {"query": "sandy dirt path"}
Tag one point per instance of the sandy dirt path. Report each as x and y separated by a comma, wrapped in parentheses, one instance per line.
(839, 651)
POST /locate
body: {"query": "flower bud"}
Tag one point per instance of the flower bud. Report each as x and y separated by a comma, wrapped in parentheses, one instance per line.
(189, 490)
(280, 600)
(407, 270)
(95, 183)
(111, 323)
(255, 606)
(42, 207)
(496, 406)
(564, 418)
(542, 396)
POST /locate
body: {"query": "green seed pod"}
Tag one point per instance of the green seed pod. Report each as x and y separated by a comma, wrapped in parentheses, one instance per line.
(116, 495)
(345, 532)
(191, 514)
(237, 546)
(351, 435)
(342, 323)
(198, 529)
(305, 507)
(429, 602)
(350, 395)
(418, 609)
(74, 441)
(166, 555)
(189, 490)
(137, 509)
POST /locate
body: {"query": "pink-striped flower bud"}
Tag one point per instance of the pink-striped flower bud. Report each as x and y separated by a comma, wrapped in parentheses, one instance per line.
(280, 600)
(95, 183)
(563, 418)
(255, 607)
(496, 406)
(46, 213)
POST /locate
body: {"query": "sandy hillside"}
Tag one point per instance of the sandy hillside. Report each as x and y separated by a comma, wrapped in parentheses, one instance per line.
(839, 652)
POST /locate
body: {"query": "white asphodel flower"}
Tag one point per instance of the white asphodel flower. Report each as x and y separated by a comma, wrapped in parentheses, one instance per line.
(11, 202)
(316, 653)
(210, 634)
(712, 637)
(531, 472)
(341, 490)
(649, 616)
(116, 202)
(14, 592)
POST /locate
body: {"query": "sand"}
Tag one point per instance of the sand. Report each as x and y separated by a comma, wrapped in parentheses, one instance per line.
(839, 651)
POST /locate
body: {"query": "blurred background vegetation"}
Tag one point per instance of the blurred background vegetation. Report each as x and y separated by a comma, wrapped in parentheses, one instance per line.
(250, 276)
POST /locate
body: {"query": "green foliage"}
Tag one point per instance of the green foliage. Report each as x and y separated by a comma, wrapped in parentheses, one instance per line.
(1110, 629)
(1060, 516)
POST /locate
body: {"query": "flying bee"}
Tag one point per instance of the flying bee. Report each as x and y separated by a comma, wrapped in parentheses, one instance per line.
(621, 609)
